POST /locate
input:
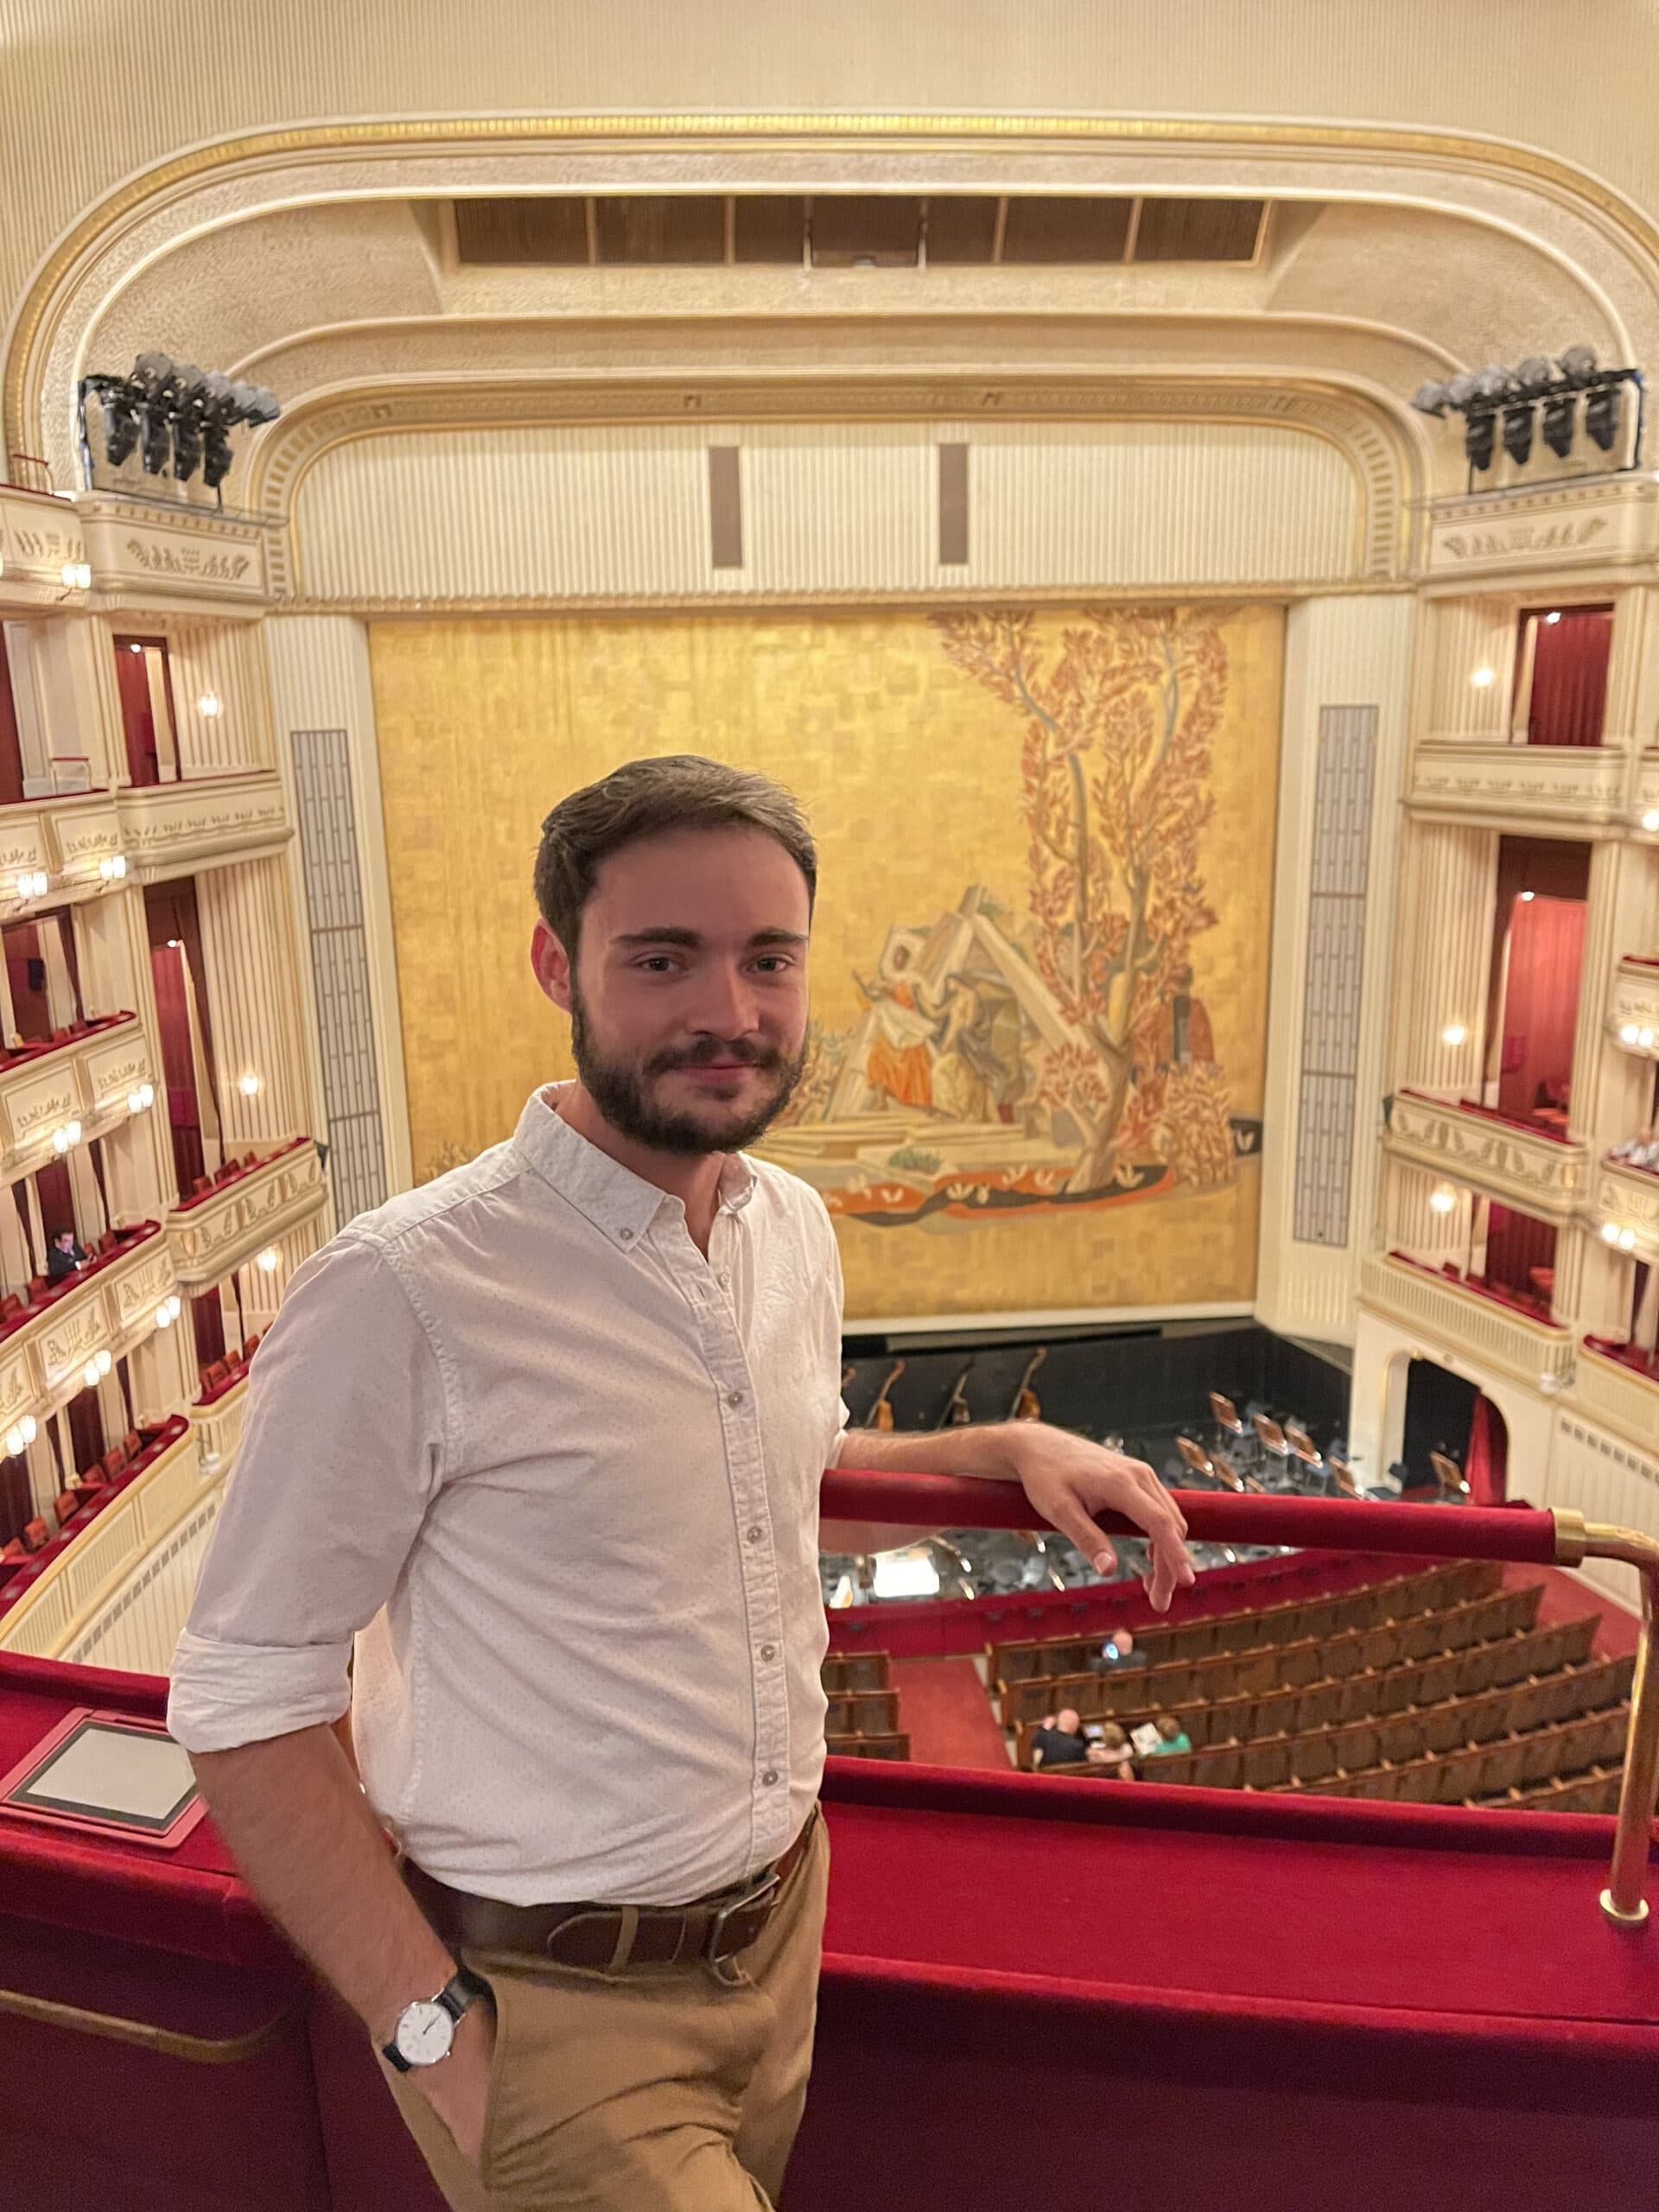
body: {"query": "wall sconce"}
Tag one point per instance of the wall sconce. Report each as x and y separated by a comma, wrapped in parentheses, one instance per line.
(1453, 1034)
(169, 1311)
(113, 866)
(95, 1368)
(251, 1085)
(209, 704)
(1650, 820)
(65, 1138)
(267, 1260)
(1442, 1198)
(1483, 678)
(77, 576)
(33, 883)
(20, 1436)
(143, 1096)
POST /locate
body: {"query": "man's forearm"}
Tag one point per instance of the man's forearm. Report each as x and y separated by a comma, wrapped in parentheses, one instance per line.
(987, 1451)
(309, 1848)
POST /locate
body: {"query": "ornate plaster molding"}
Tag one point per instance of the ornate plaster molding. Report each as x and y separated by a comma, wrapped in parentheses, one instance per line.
(1351, 421)
(1518, 1166)
(1610, 243)
(1485, 782)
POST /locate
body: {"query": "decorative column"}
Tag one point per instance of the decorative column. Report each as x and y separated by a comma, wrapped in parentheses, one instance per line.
(252, 988)
(1448, 892)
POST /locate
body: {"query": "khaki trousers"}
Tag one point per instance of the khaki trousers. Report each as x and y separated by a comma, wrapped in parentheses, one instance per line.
(658, 2089)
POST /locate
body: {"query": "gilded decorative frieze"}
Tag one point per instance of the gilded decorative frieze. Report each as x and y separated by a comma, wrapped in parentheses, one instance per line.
(86, 1080)
(1517, 1166)
(218, 1233)
(40, 540)
(166, 829)
(1557, 528)
(1476, 781)
(1629, 1198)
(143, 554)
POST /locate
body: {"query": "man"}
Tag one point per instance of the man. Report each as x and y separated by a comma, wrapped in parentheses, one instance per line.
(1060, 1741)
(1117, 1654)
(540, 1442)
(65, 1256)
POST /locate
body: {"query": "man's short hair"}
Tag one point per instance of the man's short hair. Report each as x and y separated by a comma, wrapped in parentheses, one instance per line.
(649, 798)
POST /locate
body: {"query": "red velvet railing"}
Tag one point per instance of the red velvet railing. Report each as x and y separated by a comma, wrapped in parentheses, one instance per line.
(1506, 1532)
(224, 1181)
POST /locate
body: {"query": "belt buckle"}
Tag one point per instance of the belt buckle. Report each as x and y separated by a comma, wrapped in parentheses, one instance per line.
(764, 1887)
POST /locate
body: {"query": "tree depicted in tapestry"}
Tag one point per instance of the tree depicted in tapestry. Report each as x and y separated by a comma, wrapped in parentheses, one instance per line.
(1061, 1056)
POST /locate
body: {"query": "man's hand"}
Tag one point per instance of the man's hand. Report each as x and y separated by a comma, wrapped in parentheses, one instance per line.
(1069, 1479)
(458, 2087)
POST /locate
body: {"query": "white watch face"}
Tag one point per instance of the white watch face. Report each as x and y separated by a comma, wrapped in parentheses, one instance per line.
(424, 2034)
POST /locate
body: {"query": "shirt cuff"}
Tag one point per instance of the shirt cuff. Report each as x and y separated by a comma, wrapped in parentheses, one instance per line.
(227, 1695)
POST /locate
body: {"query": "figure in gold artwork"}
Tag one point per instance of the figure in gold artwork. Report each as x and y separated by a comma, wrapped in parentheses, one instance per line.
(900, 1062)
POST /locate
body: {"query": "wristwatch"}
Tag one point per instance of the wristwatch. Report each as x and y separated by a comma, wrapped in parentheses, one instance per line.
(426, 2029)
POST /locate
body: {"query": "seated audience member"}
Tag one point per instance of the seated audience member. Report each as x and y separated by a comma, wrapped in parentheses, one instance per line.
(1061, 1740)
(65, 1257)
(1172, 1736)
(1116, 1653)
(1112, 1749)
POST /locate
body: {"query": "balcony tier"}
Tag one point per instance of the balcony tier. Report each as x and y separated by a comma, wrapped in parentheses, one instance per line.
(211, 1235)
(1452, 1316)
(39, 534)
(85, 1080)
(1490, 784)
(1617, 1397)
(170, 828)
(1635, 1006)
(220, 1426)
(144, 555)
(76, 1581)
(1629, 1196)
(1545, 533)
(110, 1307)
(1517, 1166)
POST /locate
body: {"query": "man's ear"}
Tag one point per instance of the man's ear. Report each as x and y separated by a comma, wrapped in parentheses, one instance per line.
(551, 965)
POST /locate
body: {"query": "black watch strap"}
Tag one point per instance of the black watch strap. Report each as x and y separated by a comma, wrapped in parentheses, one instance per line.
(461, 1990)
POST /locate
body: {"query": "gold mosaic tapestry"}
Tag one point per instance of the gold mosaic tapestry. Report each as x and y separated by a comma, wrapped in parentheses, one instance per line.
(1040, 959)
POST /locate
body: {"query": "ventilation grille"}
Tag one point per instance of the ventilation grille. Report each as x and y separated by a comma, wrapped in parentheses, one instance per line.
(853, 231)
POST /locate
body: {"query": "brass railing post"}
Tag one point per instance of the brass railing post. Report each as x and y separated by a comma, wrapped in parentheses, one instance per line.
(1577, 1540)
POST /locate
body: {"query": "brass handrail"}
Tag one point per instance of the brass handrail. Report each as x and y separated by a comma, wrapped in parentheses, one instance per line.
(1560, 1537)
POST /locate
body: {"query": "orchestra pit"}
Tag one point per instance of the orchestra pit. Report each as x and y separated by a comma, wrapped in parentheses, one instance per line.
(1123, 546)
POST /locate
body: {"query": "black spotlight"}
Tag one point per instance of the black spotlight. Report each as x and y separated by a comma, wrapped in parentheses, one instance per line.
(188, 421)
(120, 425)
(155, 383)
(1601, 415)
(1557, 425)
(1479, 439)
(1518, 431)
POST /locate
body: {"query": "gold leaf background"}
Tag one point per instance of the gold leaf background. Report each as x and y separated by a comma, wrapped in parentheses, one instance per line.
(909, 773)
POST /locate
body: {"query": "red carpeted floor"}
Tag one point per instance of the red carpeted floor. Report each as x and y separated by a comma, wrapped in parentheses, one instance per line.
(944, 1708)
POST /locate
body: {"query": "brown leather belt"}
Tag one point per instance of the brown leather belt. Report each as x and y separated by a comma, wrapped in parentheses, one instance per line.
(608, 1937)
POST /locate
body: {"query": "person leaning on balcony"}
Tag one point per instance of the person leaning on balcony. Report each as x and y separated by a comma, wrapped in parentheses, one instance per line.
(65, 1257)
(580, 1392)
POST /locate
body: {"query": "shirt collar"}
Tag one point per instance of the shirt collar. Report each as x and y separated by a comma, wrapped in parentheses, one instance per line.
(620, 1205)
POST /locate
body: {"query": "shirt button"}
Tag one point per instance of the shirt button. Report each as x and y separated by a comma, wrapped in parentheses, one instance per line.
(734, 1397)
(770, 1776)
(753, 1535)
(768, 1651)
(725, 1282)
(625, 1234)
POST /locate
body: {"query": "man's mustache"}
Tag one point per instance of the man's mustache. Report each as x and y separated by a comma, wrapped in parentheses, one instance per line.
(752, 1056)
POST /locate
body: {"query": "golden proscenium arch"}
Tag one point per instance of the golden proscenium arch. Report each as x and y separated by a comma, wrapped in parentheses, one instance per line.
(1579, 221)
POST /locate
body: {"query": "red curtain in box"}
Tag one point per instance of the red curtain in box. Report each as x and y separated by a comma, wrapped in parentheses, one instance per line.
(1515, 1244)
(1569, 677)
(1486, 1467)
(1540, 1003)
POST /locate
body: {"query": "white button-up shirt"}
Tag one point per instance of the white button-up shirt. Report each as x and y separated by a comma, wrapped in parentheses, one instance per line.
(555, 1475)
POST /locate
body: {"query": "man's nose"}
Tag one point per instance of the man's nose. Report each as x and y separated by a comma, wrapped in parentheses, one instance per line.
(726, 1005)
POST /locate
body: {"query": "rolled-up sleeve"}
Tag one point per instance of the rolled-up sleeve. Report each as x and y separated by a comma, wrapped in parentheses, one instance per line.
(343, 1448)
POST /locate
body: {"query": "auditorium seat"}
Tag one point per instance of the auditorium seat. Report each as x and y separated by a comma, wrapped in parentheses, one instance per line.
(11, 1306)
(12, 1551)
(36, 1535)
(894, 1746)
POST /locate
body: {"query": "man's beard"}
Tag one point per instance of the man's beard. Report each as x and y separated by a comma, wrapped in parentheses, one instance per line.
(623, 1096)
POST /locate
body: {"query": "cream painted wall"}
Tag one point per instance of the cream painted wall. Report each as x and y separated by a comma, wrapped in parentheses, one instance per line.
(92, 93)
(1351, 651)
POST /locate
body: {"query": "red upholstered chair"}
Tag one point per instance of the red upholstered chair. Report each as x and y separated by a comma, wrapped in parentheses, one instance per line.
(215, 1373)
(11, 1553)
(61, 1036)
(108, 1241)
(68, 1503)
(38, 1285)
(11, 1306)
(201, 1182)
(113, 1461)
(36, 1535)
(132, 1443)
(252, 1346)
